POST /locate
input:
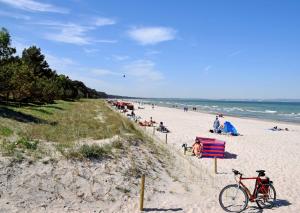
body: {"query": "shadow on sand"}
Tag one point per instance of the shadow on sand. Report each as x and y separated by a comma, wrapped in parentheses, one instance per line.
(228, 155)
(278, 203)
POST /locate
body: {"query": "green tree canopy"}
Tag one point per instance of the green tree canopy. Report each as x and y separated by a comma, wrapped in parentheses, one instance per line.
(30, 79)
(6, 51)
(35, 59)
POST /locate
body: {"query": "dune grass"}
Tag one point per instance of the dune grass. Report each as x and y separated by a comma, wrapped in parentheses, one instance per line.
(5, 131)
(20, 148)
(57, 130)
(64, 123)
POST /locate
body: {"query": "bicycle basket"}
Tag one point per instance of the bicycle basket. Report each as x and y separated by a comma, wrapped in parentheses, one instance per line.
(264, 188)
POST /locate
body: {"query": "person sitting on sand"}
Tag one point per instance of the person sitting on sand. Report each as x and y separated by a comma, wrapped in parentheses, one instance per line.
(197, 148)
(162, 128)
(132, 113)
(276, 128)
(220, 115)
(216, 124)
(144, 123)
(152, 121)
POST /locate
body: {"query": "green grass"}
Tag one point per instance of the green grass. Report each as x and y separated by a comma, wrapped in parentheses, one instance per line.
(65, 123)
(5, 131)
(25, 143)
(20, 149)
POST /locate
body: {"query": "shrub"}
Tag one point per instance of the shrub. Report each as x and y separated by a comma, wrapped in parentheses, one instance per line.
(25, 143)
(91, 152)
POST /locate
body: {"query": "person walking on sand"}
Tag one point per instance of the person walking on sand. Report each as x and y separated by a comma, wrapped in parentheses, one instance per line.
(216, 124)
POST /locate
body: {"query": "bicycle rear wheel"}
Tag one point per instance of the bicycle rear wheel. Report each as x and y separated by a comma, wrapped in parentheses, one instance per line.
(266, 197)
(233, 198)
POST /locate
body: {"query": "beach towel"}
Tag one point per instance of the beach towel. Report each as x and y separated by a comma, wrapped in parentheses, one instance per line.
(229, 128)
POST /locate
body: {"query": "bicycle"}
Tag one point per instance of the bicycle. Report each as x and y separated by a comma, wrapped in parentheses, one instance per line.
(235, 197)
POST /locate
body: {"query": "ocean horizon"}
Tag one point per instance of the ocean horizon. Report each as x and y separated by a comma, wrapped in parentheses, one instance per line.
(285, 110)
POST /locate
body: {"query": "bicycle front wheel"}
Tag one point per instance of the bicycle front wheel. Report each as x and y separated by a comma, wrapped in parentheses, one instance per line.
(233, 198)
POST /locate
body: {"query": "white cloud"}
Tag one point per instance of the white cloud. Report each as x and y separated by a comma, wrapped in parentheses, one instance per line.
(120, 57)
(19, 45)
(58, 63)
(34, 6)
(207, 68)
(102, 72)
(110, 41)
(143, 70)
(71, 33)
(102, 21)
(152, 52)
(68, 33)
(88, 50)
(15, 16)
(152, 35)
(235, 53)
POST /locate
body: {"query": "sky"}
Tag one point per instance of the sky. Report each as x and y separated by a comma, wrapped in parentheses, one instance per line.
(239, 49)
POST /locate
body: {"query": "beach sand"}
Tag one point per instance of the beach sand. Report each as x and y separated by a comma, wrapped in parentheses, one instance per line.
(257, 148)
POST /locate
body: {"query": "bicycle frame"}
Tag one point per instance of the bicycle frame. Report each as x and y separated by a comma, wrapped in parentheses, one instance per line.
(258, 182)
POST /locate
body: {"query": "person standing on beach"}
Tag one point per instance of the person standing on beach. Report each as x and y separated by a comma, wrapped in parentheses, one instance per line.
(216, 124)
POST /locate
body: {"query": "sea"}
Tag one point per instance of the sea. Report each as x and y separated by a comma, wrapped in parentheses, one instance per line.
(286, 111)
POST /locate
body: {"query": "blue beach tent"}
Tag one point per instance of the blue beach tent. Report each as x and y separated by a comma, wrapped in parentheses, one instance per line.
(229, 128)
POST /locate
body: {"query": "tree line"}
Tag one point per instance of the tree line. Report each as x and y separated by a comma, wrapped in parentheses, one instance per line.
(28, 78)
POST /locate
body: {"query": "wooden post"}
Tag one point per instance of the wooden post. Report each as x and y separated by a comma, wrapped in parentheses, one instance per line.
(184, 150)
(142, 193)
(154, 130)
(166, 137)
(216, 169)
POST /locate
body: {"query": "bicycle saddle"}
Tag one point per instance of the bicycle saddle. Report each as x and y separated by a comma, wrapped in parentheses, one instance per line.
(261, 172)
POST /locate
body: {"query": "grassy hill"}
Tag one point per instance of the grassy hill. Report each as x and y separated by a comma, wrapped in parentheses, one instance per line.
(78, 155)
(63, 123)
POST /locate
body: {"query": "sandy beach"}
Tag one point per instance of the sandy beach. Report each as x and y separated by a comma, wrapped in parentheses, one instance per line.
(277, 152)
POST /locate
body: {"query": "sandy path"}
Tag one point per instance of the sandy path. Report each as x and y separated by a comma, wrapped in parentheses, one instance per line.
(258, 148)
